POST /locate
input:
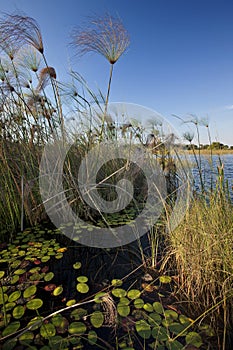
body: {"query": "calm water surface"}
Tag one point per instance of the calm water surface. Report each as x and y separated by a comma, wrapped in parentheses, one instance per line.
(210, 169)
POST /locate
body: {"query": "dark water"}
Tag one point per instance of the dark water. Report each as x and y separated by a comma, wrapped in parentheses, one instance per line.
(209, 170)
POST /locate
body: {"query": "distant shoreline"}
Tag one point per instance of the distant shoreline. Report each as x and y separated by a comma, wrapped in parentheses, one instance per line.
(208, 152)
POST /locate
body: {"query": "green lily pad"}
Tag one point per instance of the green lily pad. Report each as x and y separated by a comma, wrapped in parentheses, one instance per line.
(35, 323)
(134, 294)
(14, 279)
(30, 291)
(165, 279)
(158, 307)
(26, 338)
(58, 290)
(171, 315)
(47, 330)
(177, 328)
(71, 302)
(98, 297)
(2, 273)
(123, 309)
(124, 301)
(119, 292)
(49, 276)
(9, 306)
(117, 282)
(34, 304)
(14, 296)
(82, 288)
(143, 329)
(97, 319)
(92, 337)
(11, 328)
(139, 303)
(18, 311)
(3, 297)
(160, 333)
(77, 265)
(193, 338)
(78, 314)
(154, 318)
(82, 279)
(148, 307)
(19, 272)
(45, 258)
(77, 328)
(174, 345)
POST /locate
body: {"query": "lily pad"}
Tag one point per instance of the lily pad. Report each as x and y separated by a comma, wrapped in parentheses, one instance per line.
(143, 329)
(82, 288)
(18, 311)
(92, 337)
(58, 290)
(14, 296)
(11, 328)
(97, 319)
(82, 279)
(47, 330)
(134, 294)
(49, 276)
(77, 328)
(77, 265)
(30, 291)
(193, 338)
(158, 307)
(34, 304)
(119, 292)
(123, 309)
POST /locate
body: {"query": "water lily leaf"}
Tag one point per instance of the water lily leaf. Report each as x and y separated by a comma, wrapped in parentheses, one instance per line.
(2, 273)
(117, 282)
(34, 304)
(3, 297)
(185, 320)
(71, 302)
(119, 292)
(59, 256)
(14, 296)
(174, 345)
(92, 337)
(154, 318)
(82, 288)
(123, 309)
(50, 287)
(124, 301)
(77, 328)
(35, 323)
(11, 328)
(82, 279)
(19, 271)
(49, 276)
(29, 291)
(77, 265)
(78, 314)
(160, 333)
(45, 258)
(193, 338)
(139, 303)
(14, 279)
(58, 290)
(158, 307)
(148, 307)
(26, 338)
(47, 330)
(143, 329)
(97, 319)
(134, 294)
(171, 315)
(18, 311)
(177, 328)
(165, 279)
(62, 325)
(35, 269)
(98, 297)
(9, 306)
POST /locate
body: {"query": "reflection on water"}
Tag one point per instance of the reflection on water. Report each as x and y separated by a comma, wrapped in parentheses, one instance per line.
(209, 170)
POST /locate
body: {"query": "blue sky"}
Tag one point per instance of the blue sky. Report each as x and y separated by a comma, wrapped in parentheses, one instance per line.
(180, 60)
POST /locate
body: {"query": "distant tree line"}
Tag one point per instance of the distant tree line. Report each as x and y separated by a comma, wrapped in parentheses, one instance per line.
(213, 146)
